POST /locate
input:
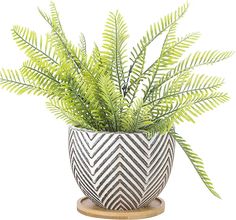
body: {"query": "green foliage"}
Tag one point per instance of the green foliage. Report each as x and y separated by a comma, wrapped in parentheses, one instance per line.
(115, 36)
(112, 100)
(33, 46)
(99, 92)
(14, 82)
(196, 161)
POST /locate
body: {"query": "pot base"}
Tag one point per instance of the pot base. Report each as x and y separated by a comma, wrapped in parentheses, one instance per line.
(86, 207)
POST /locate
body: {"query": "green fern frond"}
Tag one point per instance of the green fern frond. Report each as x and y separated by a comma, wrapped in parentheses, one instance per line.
(185, 107)
(96, 54)
(74, 96)
(41, 77)
(196, 162)
(64, 49)
(56, 23)
(176, 50)
(13, 81)
(154, 31)
(187, 41)
(172, 53)
(201, 82)
(136, 117)
(32, 70)
(113, 101)
(28, 41)
(115, 36)
(201, 58)
(154, 128)
(45, 16)
(170, 39)
(188, 84)
(195, 60)
(163, 60)
(58, 39)
(82, 44)
(175, 86)
(93, 91)
(136, 78)
(192, 61)
(164, 63)
(61, 111)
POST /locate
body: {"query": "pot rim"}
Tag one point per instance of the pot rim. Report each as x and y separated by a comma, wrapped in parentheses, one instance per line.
(105, 132)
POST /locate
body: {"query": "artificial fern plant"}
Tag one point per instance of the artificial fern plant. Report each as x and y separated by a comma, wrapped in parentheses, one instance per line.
(109, 91)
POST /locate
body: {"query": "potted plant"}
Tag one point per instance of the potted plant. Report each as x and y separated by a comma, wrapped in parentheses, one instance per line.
(122, 116)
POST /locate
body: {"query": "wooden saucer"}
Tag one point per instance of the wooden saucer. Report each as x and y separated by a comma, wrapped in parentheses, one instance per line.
(86, 207)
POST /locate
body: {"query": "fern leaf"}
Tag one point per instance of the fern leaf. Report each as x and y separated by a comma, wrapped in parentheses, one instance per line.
(136, 117)
(192, 61)
(175, 50)
(185, 107)
(112, 99)
(201, 82)
(171, 54)
(62, 111)
(158, 127)
(178, 48)
(170, 39)
(42, 76)
(31, 71)
(28, 41)
(74, 96)
(82, 45)
(163, 60)
(196, 162)
(188, 84)
(55, 19)
(136, 78)
(45, 16)
(154, 31)
(201, 58)
(13, 81)
(64, 49)
(93, 92)
(115, 36)
(96, 54)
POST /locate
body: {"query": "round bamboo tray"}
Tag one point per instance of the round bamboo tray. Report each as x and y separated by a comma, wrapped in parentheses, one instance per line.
(86, 207)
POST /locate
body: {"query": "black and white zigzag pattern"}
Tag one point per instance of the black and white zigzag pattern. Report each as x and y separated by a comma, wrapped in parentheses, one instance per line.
(120, 171)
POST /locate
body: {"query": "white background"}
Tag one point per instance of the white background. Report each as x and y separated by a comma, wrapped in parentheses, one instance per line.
(36, 181)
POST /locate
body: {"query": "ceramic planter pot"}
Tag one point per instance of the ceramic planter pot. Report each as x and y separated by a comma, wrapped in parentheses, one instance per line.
(120, 171)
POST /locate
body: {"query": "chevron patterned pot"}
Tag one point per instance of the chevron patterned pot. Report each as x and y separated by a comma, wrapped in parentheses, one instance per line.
(120, 171)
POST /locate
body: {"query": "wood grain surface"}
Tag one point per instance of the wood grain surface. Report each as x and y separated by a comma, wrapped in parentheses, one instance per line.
(86, 207)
